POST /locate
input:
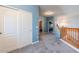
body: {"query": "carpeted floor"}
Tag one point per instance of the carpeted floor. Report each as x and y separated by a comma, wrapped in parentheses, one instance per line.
(47, 44)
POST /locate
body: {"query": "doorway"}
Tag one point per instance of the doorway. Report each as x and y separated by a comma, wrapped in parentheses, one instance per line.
(40, 26)
(50, 26)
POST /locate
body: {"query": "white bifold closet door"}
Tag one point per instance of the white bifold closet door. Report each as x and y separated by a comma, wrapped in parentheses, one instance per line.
(25, 28)
(8, 26)
(15, 29)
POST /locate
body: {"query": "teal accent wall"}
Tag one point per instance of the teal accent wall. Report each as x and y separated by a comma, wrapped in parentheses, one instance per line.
(44, 24)
(35, 13)
(46, 20)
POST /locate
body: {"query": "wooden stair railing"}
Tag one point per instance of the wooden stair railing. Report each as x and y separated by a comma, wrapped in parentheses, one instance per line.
(70, 35)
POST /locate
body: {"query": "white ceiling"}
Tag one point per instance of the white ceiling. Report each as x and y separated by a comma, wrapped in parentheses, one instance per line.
(54, 8)
(59, 9)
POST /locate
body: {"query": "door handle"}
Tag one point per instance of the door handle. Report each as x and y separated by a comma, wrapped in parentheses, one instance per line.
(0, 33)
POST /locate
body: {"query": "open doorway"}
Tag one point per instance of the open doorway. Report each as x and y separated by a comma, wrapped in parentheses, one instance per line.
(40, 26)
(50, 26)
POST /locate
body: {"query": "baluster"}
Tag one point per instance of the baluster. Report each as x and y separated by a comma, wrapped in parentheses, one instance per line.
(74, 36)
(66, 31)
(62, 33)
(70, 34)
(78, 34)
(73, 33)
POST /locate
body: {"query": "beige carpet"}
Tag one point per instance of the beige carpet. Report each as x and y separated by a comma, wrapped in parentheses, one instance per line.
(47, 44)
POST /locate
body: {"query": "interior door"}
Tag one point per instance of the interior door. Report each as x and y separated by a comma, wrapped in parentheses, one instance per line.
(15, 29)
(26, 33)
(40, 26)
(8, 29)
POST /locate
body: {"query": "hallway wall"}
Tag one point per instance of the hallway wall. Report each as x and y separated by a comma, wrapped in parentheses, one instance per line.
(56, 31)
(35, 12)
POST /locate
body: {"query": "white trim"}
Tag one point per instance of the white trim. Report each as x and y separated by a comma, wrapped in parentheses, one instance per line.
(14, 8)
(35, 42)
(76, 49)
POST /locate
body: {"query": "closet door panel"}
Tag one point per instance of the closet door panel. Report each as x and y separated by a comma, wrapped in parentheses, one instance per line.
(15, 28)
(27, 27)
(8, 38)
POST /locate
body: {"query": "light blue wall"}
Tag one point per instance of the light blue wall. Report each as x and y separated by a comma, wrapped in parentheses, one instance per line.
(35, 13)
(56, 30)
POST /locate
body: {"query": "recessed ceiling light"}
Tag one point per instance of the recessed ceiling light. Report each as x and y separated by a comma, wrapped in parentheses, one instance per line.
(48, 13)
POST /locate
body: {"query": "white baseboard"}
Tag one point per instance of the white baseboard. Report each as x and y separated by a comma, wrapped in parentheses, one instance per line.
(76, 49)
(35, 42)
(21, 46)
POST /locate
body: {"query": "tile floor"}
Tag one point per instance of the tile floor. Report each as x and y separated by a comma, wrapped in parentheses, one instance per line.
(47, 44)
